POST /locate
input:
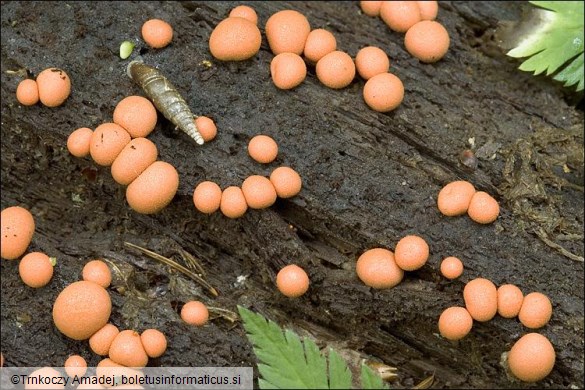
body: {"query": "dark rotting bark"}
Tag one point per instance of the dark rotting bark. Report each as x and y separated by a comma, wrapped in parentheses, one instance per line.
(368, 180)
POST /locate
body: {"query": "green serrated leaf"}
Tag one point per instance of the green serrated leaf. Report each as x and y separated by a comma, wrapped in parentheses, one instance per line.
(265, 385)
(573, 73)
(339, 374)
(559, 6)
(555, 42)
(288, 363)
(370, 380)
(284, 363)
(276, 378)
(318, 361)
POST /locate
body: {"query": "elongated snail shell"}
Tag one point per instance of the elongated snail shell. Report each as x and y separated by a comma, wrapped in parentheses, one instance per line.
(165, 97)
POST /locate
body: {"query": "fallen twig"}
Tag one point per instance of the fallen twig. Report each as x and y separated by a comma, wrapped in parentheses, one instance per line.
(543, 236)
(175, 266)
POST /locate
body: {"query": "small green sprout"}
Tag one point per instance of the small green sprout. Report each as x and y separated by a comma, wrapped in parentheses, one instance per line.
(556, 43)
(126, 49)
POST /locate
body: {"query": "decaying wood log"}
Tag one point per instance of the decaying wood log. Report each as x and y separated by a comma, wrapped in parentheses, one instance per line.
(368, 180)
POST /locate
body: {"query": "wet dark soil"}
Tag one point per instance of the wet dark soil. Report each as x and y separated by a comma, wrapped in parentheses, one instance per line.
(368, 180)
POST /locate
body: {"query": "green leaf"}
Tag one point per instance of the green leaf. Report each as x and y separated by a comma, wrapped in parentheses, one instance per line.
(265, 385)
(370, 380)
(286, 362)
(339, 374)
(557, 6)
(555, 42)
(317, 361)
(573, 73)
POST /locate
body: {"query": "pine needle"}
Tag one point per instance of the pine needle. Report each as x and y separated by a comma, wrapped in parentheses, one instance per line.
(174, 265)
(426, 383)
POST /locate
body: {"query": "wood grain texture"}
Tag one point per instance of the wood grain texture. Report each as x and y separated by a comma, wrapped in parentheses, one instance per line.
(368, 180)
